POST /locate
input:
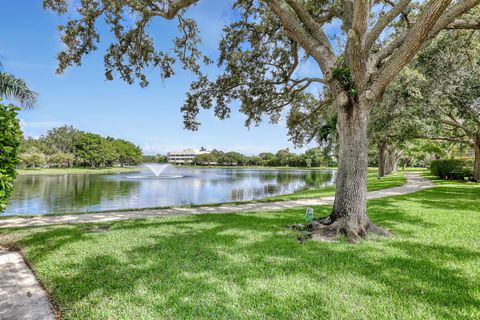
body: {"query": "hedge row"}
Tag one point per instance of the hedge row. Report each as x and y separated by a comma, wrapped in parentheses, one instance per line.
(10, 135)
(453, 169)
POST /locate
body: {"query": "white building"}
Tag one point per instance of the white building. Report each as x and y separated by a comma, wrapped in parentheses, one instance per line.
(183, 157)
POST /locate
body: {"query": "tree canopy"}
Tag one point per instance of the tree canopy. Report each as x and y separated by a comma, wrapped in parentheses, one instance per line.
(451, 107)
(66, 147)
(263, 47)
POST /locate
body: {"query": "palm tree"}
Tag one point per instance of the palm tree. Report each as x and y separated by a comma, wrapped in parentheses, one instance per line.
(15, 88)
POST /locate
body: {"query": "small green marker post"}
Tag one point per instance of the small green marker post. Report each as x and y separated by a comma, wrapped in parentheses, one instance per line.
(309, 215)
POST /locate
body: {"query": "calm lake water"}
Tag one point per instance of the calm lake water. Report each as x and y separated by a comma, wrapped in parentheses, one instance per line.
(83, 193)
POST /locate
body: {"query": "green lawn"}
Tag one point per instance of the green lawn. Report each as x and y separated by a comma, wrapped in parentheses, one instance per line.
(415, 169)
(374, 183)
(62, 171)
(248, 266)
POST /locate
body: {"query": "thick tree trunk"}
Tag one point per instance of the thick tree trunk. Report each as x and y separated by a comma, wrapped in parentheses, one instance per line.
(391, 160)
(349, 215)
(476, 171)
(405, 164)
(381, 158)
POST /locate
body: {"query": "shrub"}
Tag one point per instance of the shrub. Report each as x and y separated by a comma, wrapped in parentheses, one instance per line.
(33, 159)
(61, 160)
(454, 169)
(10, 136)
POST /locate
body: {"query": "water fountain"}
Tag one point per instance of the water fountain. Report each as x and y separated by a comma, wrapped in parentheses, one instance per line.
(157, 169)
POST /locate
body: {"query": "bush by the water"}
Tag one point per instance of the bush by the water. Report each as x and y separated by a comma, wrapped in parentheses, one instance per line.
(10, 136)
(453, 169)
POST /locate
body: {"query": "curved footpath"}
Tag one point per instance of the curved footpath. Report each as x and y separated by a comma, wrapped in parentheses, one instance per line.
(414, 183)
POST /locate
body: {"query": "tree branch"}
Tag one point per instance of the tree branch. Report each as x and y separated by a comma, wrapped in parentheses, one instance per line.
(314, 27)
(356, 40)
(323, 104)
(446, 19)
(414, 39)
(383, 22)
(439, 138)
(320, 51)
(173, 9)
(464, 24)
(449, 16)
(455, 124)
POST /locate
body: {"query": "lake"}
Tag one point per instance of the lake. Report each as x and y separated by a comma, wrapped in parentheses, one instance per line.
(40, 194)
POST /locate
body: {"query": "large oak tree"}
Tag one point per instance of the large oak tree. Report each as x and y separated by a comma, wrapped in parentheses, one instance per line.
(259, 54)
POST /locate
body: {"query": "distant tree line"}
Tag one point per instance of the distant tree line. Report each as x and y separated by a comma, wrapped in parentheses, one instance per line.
(66, 146)
(157, 158)
(314, 157)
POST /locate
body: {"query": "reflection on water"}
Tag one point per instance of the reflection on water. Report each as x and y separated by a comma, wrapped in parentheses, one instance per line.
(82, 193)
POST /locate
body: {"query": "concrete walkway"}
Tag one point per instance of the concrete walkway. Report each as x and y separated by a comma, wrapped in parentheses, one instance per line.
(21, 296)
(414, 183)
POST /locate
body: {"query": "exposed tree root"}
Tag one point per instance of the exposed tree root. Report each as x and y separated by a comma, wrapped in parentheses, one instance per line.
(327, 229)
(373, 228)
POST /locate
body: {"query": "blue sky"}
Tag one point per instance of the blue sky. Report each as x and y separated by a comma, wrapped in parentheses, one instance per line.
(149, 117)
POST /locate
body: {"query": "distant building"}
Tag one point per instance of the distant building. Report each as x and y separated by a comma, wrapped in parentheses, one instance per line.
(183, 157)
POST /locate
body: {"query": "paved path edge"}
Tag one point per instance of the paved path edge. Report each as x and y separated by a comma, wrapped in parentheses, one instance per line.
(22, 296)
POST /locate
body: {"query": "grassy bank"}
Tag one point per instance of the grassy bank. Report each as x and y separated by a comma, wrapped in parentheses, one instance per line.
(248, 266)
(63, 171)
(374, 183)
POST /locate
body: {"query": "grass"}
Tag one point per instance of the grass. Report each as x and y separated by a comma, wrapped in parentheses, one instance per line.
(63, 171)
(374, 183)
(415, 169)
(248, 266)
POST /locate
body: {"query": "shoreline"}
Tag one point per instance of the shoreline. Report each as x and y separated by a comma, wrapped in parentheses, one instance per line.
(76, 171)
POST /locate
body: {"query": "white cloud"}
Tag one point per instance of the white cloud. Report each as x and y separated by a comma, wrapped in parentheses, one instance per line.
(37, 128)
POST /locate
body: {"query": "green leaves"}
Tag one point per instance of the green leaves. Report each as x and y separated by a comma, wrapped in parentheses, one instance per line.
(455, 169)
(343, 75)
(10, 136)
(132, 53)
(14, 88)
